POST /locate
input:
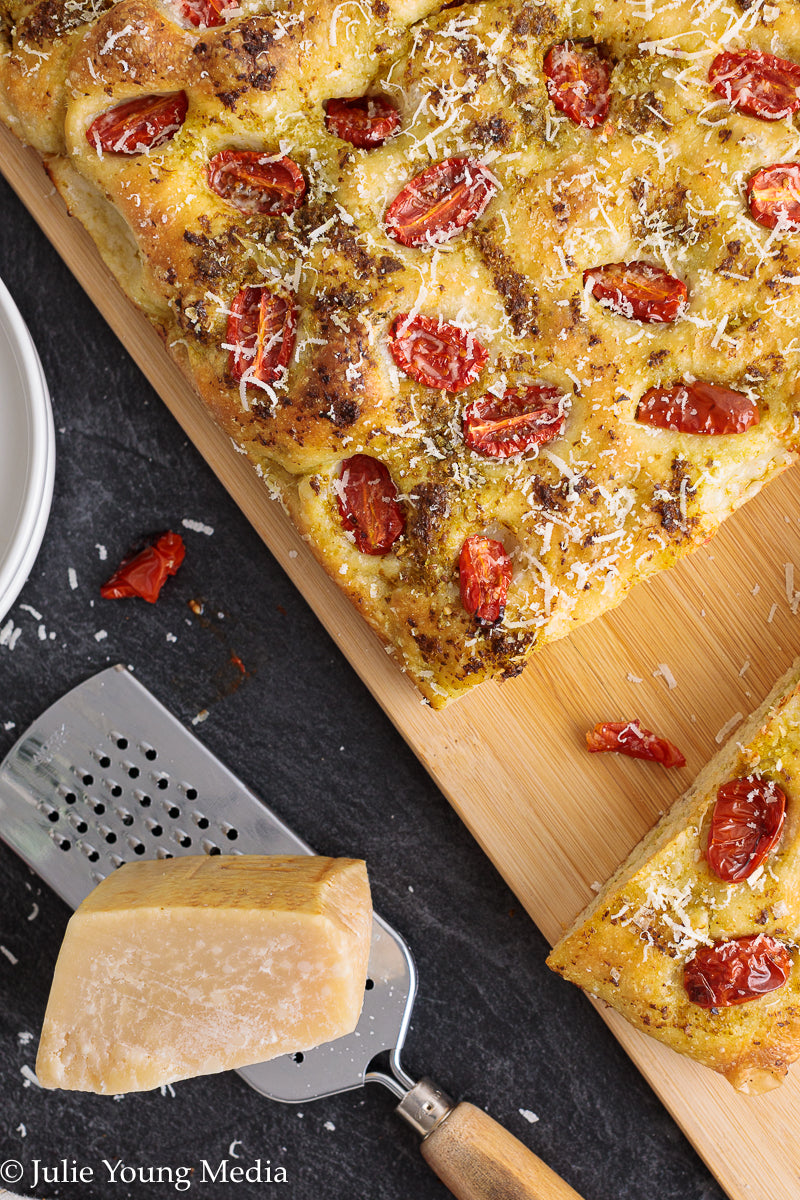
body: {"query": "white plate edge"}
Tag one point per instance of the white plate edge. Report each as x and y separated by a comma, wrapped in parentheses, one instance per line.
(33, 518)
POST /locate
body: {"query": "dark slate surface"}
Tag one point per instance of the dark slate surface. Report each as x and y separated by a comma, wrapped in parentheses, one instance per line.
(491, 1022)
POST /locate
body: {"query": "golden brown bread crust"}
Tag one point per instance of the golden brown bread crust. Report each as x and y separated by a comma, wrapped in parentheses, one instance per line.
(630, 945)
(596, 510)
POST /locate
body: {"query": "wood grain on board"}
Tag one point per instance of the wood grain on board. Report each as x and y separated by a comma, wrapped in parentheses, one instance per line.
(510, 757)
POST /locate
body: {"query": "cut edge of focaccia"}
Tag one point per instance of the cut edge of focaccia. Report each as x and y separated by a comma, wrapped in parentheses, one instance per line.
(110, 233)
(630, 944)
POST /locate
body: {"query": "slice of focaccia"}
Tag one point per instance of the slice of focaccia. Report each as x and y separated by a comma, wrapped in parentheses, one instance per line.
(695, 938)
(500, 300)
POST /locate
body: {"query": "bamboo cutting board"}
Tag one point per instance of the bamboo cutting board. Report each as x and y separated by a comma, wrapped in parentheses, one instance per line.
(685, 653)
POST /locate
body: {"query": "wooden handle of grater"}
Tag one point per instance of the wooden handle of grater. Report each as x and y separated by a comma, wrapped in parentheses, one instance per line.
(480, 1160)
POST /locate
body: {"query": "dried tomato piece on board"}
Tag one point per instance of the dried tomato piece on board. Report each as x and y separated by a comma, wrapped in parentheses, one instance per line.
(363, 121)
(698, 407)
(638, 290)
(629, 738)
(746, 824)
(498, 427)
(261, 332)
(368, 504)
(436, 354)
(773, 196)
(735, 971)
(257, 183)
(204, 14)
(138, 125)
(759, 84)
(578, 81)
(146, 573)
(437, 204)
(484, 571)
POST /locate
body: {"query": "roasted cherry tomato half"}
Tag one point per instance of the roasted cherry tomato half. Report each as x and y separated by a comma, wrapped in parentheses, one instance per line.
(578, 81)
(735, 971)
(515, 422)
(138, 125)
(363, 121)
(484, 571)
(773, 196)
(261, 332)
(146, 573)
(204, 14)
(440, 202)
(435, 353)
(368, 504)
(745, 825)
(758, 84)
(629, 738)
(255, 182)
(698, 408)
(638, 290)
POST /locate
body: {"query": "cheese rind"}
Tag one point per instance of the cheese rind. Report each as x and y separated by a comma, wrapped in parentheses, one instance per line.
(189, 966)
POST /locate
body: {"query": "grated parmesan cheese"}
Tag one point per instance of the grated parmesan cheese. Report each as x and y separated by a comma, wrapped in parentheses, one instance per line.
(664, 671)
(728, 727)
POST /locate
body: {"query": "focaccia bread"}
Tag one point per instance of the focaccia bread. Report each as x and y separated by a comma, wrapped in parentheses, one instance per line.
(501, 301)
(694, 940)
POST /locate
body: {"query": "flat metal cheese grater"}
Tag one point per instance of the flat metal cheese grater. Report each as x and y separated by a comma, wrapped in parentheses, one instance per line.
(107, 775)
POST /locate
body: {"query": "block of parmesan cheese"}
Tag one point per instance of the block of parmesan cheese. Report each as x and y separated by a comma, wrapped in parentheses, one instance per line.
(188, 966)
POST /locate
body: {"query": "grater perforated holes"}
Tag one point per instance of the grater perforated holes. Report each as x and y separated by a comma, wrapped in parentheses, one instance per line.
(77, 822)
(89, 850)
(172, 811)
(121, 740)
(182, 838)
(125, 817)
(143, 799)
(69, 797)
(162, 853)
(209, 847)
(230, 832)
(117, 862)
(87, 779)
(51, 814)
(136, 846)
(107, 833)
(59, 839)
(98, 807)
(191, 793)
(200, 821)
(154, 828)
(162, 782)
(133, 771)
(104, 761)
(150, 752)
